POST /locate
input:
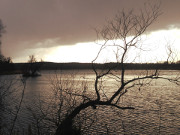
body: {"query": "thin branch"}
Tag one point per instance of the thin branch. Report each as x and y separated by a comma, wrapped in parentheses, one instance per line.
(19, 107)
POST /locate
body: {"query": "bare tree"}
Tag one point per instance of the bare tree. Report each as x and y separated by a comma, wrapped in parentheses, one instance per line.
(19, 106)
(2, 30)
(68, 92)
(9, 98)
(171, 53)
(5, 62)
(121, 27)
(32, 68)
(32, 59)
(127, 27)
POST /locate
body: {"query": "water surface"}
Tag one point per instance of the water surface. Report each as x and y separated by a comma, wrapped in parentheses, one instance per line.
(157, 109)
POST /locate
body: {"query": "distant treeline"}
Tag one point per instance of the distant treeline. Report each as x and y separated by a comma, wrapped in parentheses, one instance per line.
(7, 68)
(129, 66)
(19, 67)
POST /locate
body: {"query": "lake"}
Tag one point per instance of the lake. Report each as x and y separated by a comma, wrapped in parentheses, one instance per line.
(157, 104)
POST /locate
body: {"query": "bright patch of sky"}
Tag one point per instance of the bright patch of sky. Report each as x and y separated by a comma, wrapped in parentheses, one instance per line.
(154, 44)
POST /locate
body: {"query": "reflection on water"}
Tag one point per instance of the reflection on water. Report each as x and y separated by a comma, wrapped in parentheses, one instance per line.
(157, 109)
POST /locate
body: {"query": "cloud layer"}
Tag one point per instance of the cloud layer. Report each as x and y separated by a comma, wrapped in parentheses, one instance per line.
(48, 23)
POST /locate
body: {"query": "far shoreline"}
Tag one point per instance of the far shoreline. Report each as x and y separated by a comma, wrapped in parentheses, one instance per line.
(17, 68)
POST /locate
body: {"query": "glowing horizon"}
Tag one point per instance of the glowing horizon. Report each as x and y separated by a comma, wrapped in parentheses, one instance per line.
(85, 52)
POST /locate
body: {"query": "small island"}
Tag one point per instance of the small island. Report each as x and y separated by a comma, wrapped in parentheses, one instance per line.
(32, 68)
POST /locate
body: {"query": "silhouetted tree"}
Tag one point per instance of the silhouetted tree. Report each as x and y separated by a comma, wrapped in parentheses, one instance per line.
(4, 59)
(128, 27)
(5, 62)
(172, 53)
(32, 68)
(32, 59)
(10, 104)
(2, 30)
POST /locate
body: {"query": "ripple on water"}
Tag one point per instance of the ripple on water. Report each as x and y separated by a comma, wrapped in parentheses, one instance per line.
(156, 111)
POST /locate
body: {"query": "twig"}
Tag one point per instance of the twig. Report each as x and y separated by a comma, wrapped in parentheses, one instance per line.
(22, 96)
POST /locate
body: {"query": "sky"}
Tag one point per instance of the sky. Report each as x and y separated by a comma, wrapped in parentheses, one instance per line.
(63, 30)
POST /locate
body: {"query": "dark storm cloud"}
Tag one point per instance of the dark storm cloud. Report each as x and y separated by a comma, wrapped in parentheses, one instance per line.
(35, 23)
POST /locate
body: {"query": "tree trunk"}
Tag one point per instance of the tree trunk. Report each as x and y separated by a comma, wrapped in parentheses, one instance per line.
(66, 127)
